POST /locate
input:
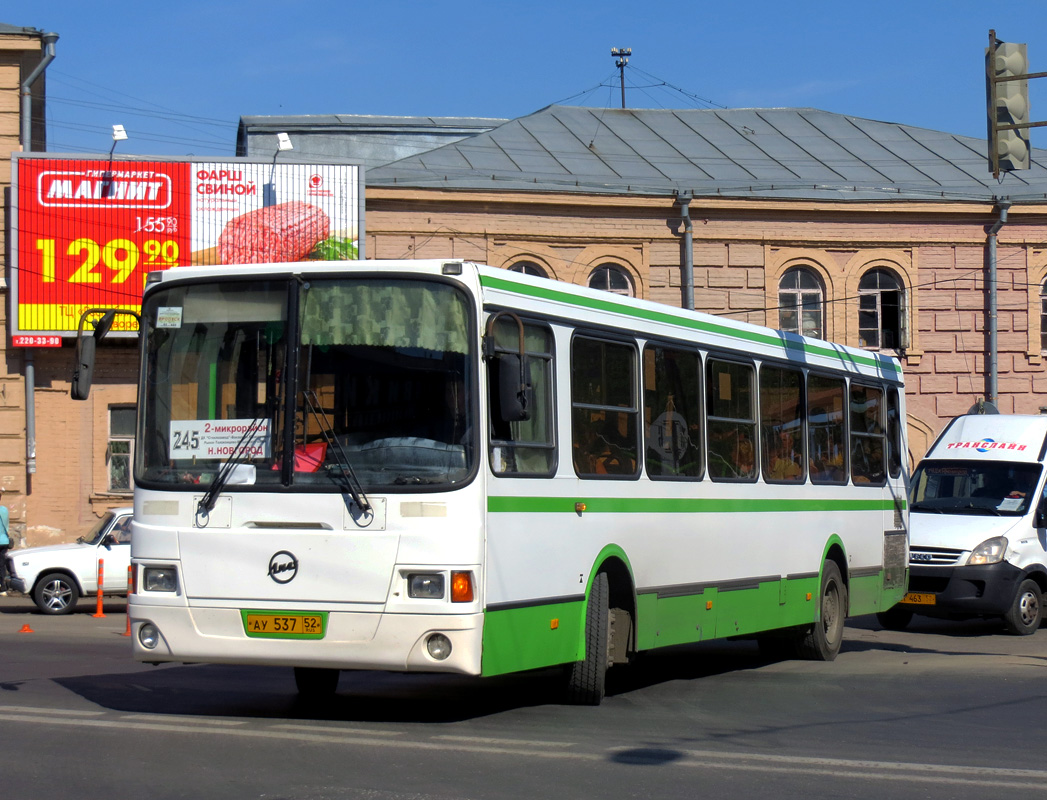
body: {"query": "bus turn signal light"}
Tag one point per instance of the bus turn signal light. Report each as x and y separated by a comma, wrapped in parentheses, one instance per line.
(461, 587)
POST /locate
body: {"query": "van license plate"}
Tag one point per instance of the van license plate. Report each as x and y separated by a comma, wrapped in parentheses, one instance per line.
(284, 625)
(920, 599)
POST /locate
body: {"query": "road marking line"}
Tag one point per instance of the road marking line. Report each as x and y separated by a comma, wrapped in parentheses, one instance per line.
(181, 718)
(314, 728)
(489, 740)
(65, 712)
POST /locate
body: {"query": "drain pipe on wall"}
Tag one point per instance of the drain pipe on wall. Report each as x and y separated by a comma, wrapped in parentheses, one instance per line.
(47, 43)
(687, 267)
(993, 387)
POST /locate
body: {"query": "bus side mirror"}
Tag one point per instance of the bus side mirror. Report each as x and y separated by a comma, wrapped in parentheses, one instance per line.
(514, 396)
(84, 369)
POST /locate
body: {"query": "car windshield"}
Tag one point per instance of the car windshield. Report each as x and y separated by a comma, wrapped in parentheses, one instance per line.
(994, 488)
(94, 536)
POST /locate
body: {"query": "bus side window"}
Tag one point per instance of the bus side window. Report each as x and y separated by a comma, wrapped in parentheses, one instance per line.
(604, 412)
(525, 447)
(672, 416)
(894, 434)
(826, 441)
(781, 424)
(868, 457)
(730, 406)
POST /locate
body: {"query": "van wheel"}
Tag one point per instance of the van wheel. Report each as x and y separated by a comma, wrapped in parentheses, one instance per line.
(587, 679)
(1026, 611)
(822, 641)
(895, 619)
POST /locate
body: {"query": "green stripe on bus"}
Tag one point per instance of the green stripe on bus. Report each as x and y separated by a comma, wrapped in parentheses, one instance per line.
(530, 637)
(677, 505)
(704, 326)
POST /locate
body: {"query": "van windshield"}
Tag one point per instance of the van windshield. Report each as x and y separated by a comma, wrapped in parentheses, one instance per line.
(998, 488)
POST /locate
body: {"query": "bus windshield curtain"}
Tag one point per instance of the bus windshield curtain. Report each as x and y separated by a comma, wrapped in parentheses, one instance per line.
(407, 315)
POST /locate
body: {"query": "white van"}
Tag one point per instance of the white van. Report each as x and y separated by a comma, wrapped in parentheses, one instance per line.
(977, 544)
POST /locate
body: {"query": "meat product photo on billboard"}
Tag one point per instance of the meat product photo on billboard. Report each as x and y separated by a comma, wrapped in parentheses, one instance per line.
(284, 232)
(85, 232)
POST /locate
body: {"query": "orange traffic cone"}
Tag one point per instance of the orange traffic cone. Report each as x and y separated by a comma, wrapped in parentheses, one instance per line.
(26, 629)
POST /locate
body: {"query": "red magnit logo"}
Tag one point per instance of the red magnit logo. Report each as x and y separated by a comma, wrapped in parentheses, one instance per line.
(316, 181)
(96, 188)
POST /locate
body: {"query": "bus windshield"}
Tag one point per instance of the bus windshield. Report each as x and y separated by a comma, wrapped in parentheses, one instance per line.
(994, 488)
(313, 379)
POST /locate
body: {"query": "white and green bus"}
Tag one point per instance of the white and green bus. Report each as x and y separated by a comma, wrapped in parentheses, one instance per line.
(437, 466)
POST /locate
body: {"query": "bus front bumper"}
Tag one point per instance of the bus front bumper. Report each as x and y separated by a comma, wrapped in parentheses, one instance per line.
(351, 640)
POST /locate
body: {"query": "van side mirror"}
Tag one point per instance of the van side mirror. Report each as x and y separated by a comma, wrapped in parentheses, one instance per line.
(1039, 519)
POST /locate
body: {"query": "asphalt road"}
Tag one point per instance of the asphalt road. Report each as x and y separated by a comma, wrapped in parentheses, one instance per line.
(944, 710)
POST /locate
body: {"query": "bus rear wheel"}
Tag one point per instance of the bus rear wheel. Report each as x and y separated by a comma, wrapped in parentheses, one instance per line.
(822, 641)
(587, 679)
(316, 683)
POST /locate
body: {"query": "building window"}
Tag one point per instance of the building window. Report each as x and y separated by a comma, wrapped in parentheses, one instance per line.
(611, 278)
(121, 447)
(881, 311)
(1043, 317)
(528, 268)
(801, 303)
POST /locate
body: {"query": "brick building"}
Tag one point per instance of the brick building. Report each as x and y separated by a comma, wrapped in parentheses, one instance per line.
(869, 233)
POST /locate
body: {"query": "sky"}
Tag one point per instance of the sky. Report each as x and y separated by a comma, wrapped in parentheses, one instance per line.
(179, 75)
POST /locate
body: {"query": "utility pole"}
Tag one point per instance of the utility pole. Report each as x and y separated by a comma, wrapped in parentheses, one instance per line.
(622, 54)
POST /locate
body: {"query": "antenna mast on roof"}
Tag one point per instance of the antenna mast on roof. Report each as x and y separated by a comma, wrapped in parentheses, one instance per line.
(622, 54)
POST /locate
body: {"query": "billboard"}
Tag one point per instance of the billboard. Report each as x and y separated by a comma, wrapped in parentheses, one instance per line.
(85, 232)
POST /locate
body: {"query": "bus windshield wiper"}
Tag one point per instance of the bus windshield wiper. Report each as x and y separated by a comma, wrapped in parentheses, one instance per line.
(225, 472)
(350, 482)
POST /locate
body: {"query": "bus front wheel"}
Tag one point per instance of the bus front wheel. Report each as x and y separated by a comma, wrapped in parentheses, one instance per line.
(587, 679)
(822, 641)
(316, 683)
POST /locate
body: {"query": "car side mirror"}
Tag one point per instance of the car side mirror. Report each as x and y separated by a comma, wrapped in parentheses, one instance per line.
(1039, 519)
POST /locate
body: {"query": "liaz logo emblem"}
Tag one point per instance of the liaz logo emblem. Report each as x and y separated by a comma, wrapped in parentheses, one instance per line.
(283, 566)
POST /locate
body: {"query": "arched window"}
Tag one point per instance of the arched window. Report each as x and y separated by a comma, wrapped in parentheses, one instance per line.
(801, 303)
(881, 311)
(611, 278)
(528, 268)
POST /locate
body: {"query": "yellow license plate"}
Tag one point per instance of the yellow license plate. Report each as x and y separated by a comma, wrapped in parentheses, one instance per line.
(920, 599)
(284, 625)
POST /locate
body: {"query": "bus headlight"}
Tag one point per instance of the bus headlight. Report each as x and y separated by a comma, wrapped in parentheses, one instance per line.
(439, 646)
(428, 585)
(149, 636)
(991, 551)
(160, 579)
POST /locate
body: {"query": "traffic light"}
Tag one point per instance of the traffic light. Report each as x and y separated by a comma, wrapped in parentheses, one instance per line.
(1007, 70)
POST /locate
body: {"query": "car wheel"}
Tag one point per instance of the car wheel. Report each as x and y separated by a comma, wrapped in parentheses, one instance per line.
(56, 593)
(1026, 611)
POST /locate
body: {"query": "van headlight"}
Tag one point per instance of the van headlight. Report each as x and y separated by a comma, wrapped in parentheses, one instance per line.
(160, 579)
(991, 551)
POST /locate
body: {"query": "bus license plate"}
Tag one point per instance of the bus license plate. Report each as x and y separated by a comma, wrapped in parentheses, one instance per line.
(284, 625)
(920, 599)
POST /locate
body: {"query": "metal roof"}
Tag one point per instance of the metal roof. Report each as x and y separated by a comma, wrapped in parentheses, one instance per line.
(368, 140)
(766, 153)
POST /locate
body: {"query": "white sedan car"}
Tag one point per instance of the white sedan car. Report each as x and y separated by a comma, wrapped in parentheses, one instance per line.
(60, 574)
